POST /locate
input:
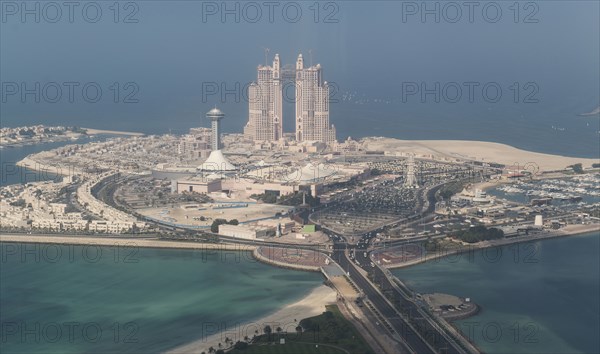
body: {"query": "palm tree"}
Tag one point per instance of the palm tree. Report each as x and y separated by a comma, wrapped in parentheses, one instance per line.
(267, 330)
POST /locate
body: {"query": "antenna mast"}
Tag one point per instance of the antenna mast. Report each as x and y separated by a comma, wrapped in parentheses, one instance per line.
(267, 50)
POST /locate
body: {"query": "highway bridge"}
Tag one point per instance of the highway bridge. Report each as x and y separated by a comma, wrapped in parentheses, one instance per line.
(419, 333)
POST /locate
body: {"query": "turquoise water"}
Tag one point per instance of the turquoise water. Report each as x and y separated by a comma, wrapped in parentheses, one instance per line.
(74, 299)
(539, 297)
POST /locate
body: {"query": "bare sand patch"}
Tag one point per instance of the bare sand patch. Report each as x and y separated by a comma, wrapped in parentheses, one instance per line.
(476, 150)
(92, 131)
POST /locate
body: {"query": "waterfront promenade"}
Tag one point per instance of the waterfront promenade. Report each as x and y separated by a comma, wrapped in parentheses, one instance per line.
(121, 242)
(410, 253)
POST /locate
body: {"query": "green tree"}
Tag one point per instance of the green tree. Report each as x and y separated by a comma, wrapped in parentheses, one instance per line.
(215, 225)
(240, 345)
(478, 233)
(577, 168)
(267, 330)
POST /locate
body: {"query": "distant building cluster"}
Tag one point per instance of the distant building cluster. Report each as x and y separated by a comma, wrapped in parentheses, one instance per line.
(125, 154)
(197, 144)
(262, 177)
(36, 134)
(113, 220)
(43, 206)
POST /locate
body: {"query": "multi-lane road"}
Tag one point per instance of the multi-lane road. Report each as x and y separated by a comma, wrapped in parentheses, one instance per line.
(412, 333)
(412, 341)
(419, 331)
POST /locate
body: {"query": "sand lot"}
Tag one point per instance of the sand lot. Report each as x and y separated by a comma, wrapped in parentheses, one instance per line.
(191, 214)
(476, 150)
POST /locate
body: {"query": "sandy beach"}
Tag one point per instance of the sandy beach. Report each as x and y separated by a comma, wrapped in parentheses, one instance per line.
(287, 318)
(91, 131)
(476, 150)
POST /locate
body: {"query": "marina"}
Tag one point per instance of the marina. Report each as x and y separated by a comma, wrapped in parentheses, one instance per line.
(580, 190)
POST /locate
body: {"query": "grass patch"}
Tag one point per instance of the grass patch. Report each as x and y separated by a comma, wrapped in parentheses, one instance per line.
(291, 348)
(327, 333)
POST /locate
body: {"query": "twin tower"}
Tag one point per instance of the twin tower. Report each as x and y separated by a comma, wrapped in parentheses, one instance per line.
(311, 97)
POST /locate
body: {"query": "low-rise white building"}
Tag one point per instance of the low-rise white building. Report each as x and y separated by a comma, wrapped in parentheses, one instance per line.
(245, 231)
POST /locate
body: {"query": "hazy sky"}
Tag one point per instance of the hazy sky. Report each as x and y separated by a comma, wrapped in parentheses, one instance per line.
(372, 47)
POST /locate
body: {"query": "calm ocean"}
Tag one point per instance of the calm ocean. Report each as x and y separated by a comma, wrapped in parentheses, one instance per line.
(539, 297)
(76, 299)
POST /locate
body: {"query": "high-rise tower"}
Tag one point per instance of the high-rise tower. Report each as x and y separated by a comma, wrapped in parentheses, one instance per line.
(312, 104)
(265, 120)
(277, 100)
(410, 178)
(215, 115)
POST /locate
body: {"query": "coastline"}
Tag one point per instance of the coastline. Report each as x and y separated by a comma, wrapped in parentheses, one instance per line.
(68, 136)
(594, 112)
(39, 167)
(121, 242)
(151, 243)
(570, 230)
(475, 150)
(573, 231)
(287, 318)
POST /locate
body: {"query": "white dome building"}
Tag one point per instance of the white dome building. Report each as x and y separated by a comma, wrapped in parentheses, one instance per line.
(311, 173)
(217, 162)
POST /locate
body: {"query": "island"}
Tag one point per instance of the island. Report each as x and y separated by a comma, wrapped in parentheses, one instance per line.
(350, 210)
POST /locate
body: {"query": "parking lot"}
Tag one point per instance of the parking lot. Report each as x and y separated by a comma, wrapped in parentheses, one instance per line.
(371, 208)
